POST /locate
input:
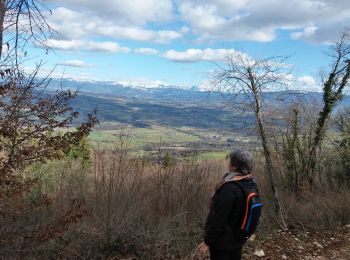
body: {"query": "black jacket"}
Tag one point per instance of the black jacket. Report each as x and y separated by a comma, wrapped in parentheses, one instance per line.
(222, 228)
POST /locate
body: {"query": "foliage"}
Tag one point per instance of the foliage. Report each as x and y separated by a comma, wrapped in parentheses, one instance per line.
(80, 151)
(29, 120)
(334, 86)
(168, 160)
(304, 126)
(29, 114)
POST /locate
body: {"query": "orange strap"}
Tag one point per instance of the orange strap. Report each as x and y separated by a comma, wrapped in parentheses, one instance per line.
(247, 209)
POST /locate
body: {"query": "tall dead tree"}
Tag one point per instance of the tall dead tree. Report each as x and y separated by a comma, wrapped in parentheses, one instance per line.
(247, 78)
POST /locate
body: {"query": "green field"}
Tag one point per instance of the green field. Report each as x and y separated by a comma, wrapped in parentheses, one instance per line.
(139, 137)
(208, 144)
(213, 156)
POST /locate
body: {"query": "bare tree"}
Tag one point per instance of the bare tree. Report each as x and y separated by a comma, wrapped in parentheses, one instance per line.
(293, 138)
(243, 81)
(22, 22)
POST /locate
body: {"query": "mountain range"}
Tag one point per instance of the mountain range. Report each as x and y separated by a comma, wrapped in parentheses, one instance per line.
(170, 105)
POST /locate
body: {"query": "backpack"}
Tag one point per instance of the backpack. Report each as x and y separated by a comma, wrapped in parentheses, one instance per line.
(252, 208)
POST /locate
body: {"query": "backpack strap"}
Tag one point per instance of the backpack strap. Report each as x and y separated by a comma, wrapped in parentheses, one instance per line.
(246, 197)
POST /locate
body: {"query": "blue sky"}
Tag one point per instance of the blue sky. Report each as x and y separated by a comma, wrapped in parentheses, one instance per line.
(175, 42)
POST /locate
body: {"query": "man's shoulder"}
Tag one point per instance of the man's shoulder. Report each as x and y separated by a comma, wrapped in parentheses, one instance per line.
(239, 183)
(232, 187)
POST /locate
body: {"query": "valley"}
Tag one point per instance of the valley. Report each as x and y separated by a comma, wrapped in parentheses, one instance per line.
(180, 121)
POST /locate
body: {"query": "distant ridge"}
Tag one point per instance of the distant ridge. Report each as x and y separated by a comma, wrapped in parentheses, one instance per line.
(161, 92)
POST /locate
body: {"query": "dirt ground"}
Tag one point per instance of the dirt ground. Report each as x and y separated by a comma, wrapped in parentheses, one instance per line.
(301, 245)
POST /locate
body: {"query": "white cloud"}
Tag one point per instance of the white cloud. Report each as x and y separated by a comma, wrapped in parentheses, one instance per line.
(260, 20)
(82, 45)
(76, 63)
(303, 83)
(197, 55)
(306, 33)
(148, 51)
(311, 20)
(208, 21)
(308, 80)
(59, 73)
(74, 25)
(135, 12)
(134, 33)
(307, 83)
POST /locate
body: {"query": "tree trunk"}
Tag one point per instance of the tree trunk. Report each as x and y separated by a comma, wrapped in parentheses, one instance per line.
(2, 18)
(317, 142)
(269, 165)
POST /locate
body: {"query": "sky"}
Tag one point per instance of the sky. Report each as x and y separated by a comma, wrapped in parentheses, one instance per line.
(177, 42)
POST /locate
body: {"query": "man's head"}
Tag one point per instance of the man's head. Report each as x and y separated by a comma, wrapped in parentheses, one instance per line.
(241, 161)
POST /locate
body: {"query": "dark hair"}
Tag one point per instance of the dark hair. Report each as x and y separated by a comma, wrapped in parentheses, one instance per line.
(242, 160)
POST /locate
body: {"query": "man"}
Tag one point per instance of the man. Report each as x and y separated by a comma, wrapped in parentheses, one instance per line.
(222, 236)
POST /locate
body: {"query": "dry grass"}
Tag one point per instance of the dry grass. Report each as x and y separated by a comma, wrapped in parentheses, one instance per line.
(121, 207)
